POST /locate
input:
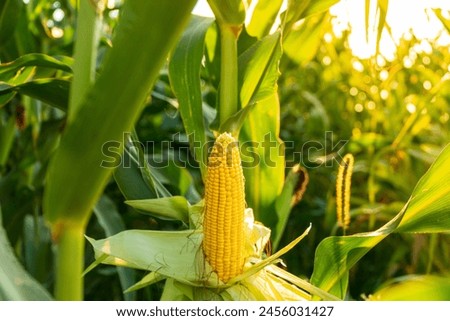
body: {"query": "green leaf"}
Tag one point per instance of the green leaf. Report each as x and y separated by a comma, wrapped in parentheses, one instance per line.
(36, 60)
(263, 159)
(37, 250)
(366, 18)
(445, 21)
(184, 72)
(263, 17)
(415, 288)
(168, 208)
(135, 178)
(303, 41)
(318, 6)
(9, 15)
(54, 92)
(147, 280)
(382, 10)
(429, 207)
(293, 188)
(15, 283)
(111, 222)
(7, 131)
(113, 103)
(294, 13)
(39, 76)
(262, 155)
(258, 70)
(234, 124)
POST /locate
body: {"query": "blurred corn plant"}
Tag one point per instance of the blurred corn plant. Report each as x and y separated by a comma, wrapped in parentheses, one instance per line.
(65, 92)
(393, 116)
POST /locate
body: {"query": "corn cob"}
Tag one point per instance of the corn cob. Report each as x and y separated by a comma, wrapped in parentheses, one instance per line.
(223, 221)
(343, 184)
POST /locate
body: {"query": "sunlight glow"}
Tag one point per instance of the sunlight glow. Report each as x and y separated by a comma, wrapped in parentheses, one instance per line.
(411, 108)
(420, 20)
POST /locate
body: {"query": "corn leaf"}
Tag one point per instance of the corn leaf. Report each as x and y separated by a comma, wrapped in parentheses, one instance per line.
(52, 91)
(318, 6)
(284, 202)
(35, 60)
(258, 70)
(302, 43)
(40, 76)
(134, 176)
(113, 103)
(184, 72)
(429, 207)
(9, 15)
(382, 9)
(15, 282)
(366, 18)
(263, 17)
(168, 208)
(300, 9)
(111, 222)
(336, 255)
(234, 123)
(262, 158)
(445, 21)
(415, 288)
(7, 131)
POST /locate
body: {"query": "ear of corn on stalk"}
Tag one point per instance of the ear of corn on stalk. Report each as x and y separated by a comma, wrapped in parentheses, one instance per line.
(228, 239)
(223, 221)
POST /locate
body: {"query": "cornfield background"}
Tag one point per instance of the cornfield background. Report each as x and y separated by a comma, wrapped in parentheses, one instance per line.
(103, 103)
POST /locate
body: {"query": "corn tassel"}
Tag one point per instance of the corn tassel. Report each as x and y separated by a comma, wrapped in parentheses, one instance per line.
(223, 221)
(343, 184)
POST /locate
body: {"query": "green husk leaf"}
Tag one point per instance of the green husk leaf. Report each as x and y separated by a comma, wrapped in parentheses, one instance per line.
(234, 124)
(149, 279)
(270, 260)
(168, 208)
(171, 254)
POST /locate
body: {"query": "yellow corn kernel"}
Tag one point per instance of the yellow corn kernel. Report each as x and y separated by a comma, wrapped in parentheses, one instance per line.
(343, 184)
(223, 221)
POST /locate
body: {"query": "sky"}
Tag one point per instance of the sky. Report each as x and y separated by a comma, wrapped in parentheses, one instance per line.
(403, 16)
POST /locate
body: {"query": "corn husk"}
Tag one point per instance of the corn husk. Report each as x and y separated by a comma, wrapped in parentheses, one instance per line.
(177, 258)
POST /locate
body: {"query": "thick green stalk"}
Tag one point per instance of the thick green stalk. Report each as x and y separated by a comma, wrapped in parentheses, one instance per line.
(77, 174)
(69, 262)
(85, 52)
(228, 92)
